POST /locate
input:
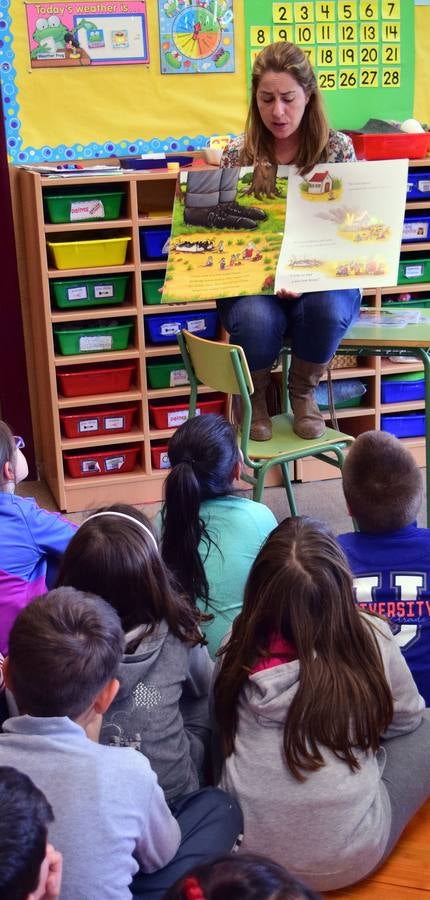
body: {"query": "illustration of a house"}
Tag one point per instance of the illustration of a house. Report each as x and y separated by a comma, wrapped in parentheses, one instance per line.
(320, 183)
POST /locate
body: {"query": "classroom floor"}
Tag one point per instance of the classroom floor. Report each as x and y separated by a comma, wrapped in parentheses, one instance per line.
(329, 506)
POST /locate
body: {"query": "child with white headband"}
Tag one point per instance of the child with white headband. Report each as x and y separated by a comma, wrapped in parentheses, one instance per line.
(161, 707)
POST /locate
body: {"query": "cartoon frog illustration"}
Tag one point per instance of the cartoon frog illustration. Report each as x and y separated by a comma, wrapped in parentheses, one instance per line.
(49, 34)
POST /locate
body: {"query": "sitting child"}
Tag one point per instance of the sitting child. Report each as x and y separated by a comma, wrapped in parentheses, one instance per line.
(309, 687)
(246, 875)
(110, 813)
(390, 556)
(210, 537)
(162, 705)
(31, 539)
(30, 868)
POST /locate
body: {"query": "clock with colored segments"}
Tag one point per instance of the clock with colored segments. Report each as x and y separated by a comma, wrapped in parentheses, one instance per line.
(196, 36)
(362, 52)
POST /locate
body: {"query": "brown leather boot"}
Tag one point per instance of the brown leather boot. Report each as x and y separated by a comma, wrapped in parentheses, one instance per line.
(261, 426)
(303, 378)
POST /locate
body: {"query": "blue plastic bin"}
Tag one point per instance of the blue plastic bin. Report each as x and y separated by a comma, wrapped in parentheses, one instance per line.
(399, 390)
(416, 228)
(163, 329)
(153, 242)
(407, 424)
(418, 185)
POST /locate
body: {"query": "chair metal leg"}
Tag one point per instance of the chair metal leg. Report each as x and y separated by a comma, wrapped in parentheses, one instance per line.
(285, 467)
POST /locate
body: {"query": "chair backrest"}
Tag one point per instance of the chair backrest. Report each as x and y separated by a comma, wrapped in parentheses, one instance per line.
(216, 364)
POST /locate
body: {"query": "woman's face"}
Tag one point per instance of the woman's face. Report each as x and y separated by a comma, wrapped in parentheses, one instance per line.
(281, 103)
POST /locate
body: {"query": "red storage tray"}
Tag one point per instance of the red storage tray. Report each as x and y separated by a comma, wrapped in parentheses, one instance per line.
(159, 457)
(100, 462)
(83, 381)
(165, 414)
(390, 146)
(113, 420)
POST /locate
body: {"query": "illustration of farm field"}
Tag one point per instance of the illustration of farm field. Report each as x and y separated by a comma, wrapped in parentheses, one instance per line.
(225, 248)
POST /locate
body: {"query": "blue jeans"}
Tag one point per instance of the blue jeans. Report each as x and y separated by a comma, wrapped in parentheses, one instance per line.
(314, 323)
(210, 822)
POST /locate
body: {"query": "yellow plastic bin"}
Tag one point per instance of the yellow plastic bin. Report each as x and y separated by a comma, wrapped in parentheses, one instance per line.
(100, 251)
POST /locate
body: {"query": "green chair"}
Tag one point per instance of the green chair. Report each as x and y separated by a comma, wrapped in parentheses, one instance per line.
(223, 367)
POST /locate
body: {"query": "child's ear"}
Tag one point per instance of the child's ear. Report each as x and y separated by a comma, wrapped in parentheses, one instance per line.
(6, 674)
(106, 696)
(8, 473)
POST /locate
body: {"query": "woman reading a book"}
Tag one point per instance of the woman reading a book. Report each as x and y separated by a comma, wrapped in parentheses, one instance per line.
(287, 124)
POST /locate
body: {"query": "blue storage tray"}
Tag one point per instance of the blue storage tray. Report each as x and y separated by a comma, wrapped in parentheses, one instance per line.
(152, 242)
(163, 329)
(404, 424)
(397, 391)
(418, 185)
(416, 228)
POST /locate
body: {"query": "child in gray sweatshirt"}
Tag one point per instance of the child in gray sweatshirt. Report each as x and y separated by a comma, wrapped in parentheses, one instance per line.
(162, 705)
(324, 736)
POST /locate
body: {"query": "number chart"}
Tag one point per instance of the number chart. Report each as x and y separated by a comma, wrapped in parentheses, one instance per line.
(362, 52)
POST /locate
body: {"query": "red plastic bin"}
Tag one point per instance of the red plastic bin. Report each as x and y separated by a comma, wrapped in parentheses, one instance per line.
(112, 420)
(100, 462)
(82, 381)
(165, 414)
(159, 456)
(390, 146)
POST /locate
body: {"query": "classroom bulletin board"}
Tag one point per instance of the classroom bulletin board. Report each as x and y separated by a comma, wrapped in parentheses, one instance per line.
(362, 51)
(96, 111)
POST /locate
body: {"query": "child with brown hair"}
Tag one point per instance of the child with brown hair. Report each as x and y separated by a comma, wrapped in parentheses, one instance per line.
(162, 705)
(32, 540)
(390, 555)
(112, 823)
(309, 690)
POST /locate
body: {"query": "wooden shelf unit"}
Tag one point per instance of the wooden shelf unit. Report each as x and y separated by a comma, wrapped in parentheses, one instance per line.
(148, 203)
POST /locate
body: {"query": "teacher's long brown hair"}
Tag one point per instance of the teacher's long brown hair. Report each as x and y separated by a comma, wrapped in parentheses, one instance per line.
(300, 587)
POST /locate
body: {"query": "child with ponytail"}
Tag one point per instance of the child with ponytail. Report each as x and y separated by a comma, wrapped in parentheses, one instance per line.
(210, 536)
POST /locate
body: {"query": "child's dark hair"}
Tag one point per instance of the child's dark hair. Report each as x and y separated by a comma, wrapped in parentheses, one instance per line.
(7, 448)
(202, 453)
(300, 587)
(24, 818)
(382, 483)
(114, 554)
(242, 877)
(63, 648)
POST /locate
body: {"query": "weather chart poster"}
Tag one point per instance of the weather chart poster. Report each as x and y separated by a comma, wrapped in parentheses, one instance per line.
(196, 36)
(84, 34)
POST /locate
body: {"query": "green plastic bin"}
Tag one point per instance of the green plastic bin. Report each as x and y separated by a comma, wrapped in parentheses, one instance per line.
(413, 270)
(83, 207)
(407, 304)
(85, 339)
(103, 290)
(151, 290)
(168, 373)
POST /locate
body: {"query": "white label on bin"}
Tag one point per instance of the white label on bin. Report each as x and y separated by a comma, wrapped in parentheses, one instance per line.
(113, 423)
(417, 230)
(174, 419)
(86, 209)
(170, 328)
(90, 465)
(103, 290)
(165, 248)
(415, 271)
(114, 463)
(95, 342)
(178, 376)
(424, 186)
(164, 460)
(88, 425)
(77, 293)
(196, 325)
